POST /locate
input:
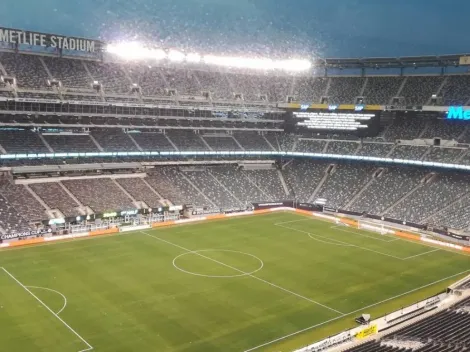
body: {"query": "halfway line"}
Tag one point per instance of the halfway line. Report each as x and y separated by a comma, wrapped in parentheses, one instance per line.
(242, 272)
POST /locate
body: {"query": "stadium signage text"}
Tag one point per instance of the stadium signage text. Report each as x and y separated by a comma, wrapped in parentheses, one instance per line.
(17, 36)
(129, 212)
(372, 330)
(15, 235)
(458, 113)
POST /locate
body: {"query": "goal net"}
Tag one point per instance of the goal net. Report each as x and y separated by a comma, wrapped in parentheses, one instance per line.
(375, 227)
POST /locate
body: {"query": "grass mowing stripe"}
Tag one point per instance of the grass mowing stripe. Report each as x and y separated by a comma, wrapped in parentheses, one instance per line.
(247, 274)
(355, 311)
(89, 347)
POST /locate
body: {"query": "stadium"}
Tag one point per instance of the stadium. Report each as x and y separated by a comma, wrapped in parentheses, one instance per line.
(153, 199)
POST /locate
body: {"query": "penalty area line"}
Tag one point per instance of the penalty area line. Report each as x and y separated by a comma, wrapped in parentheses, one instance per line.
(89, 347)
(355, 311)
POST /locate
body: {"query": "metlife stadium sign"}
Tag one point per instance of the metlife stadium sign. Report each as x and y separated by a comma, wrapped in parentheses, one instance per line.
(458, 113)
(28, 38)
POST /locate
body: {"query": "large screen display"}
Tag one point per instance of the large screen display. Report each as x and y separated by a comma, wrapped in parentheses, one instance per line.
(362, 123)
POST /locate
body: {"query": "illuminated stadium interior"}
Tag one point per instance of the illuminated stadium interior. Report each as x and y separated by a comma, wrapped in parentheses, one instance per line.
(160, 198)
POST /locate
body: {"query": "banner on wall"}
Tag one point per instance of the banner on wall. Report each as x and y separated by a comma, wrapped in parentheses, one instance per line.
(371, 330)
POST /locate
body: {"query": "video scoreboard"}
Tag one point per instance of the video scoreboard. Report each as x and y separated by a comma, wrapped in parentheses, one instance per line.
(355, 119)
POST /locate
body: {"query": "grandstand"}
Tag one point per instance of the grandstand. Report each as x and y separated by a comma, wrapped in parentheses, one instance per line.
(236, 126)
(89, 144)
(444, 331)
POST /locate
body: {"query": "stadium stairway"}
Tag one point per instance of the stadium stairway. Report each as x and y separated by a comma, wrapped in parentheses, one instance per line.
(45, 143)
(49, 211)
(329, 170)
(225, 188)
(135, 143)
(163, 201)
(85, 210)
(100, 148)
(205, 143)
(198, 189)
(255, 185)
(403, 83)
(283, 183)
(402, 199)
(456, 201)
(171, 142)
(268, 142)
(377, 173)
(134, 201)
(238, 143)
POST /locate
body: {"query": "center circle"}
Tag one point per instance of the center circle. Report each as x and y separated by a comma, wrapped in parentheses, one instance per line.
(216, 262)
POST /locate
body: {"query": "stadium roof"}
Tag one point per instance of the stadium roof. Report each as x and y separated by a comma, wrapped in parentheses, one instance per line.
(391, 62)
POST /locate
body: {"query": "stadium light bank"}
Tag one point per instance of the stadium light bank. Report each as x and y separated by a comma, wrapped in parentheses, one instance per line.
(137, 51)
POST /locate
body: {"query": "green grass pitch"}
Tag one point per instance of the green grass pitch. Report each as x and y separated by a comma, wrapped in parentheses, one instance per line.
(241, 284)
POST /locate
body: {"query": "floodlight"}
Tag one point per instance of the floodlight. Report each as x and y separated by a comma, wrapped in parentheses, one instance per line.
(176, 56)
(193, 57)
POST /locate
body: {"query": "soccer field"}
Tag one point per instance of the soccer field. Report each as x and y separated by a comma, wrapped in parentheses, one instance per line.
(270, 282)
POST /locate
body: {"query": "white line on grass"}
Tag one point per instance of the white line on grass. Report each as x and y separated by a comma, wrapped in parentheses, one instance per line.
(7, 249)
(90, 347)
(51, 290)
(242, 272)
(355, 311)
(406, 240)
(330, 240)
(391, 239)
(341, 243)
(346, 244)
(418, 255)
(288, 222)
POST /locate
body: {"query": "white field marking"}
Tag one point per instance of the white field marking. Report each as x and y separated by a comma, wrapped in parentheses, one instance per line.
(407, 240)
(390, 238)
(49, 289)
(90, 347)
(363, 248)
(78, 239)
(441, 248)
(355, 311)
(314, 237)
(218, 276)
(288, 222)
(418, 255)
(329, 240)
(345, 244)
(242, 272)
(169, 227)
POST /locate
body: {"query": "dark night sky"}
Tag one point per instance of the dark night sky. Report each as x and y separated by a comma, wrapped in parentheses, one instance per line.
(332, 28)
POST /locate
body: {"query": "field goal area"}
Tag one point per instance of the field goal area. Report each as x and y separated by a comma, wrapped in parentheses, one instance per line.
(286, 278)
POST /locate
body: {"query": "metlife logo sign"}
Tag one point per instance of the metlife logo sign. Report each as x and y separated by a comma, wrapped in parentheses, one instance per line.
(458, 113)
